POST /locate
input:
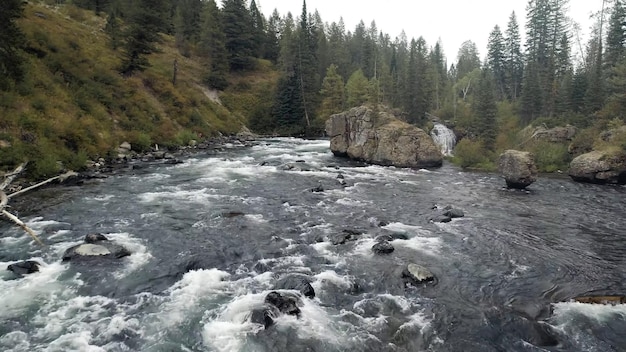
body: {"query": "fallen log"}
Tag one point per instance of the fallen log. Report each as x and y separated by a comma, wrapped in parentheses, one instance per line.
(4, 198)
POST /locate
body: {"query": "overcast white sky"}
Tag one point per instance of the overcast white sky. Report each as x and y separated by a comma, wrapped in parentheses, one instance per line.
(454, 21)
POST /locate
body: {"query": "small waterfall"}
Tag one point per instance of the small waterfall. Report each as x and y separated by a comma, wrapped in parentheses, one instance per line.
(444, 138)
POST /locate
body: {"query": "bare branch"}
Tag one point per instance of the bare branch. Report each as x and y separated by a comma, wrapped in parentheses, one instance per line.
(61, 178)
(8, 178)
(23, 226)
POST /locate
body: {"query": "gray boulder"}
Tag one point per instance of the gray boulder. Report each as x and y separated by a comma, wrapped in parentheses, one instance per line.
(417, 274)
(517, 168)
(24, 268)
(298, 282)
(96, 246)
(382, 247)
(380, 138)
(560, 134)
(599, 167)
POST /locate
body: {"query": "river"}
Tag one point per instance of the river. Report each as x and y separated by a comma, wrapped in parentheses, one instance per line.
(210, 238)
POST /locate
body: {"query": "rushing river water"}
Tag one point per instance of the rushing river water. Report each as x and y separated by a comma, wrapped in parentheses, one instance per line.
(506, 272)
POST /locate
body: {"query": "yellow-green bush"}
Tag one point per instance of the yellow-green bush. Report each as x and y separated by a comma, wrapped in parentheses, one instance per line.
(472, 154)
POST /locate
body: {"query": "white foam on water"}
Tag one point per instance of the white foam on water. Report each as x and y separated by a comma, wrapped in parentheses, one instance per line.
(564, 312)
(15, 341)
(352, 202)
(314, 323)
(363, 247)
(194, 196)
(257, 218)
(32, 289)
(186, 294)
(229, 330)
(399, 227)
(419, 320)
(139, 257)
(103, 198)
(431, 245)
(330, 276)
(404, 303)
(324, 249)
(77, 341)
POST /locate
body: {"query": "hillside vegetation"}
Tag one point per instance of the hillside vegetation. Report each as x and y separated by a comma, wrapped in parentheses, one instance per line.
(73, 104)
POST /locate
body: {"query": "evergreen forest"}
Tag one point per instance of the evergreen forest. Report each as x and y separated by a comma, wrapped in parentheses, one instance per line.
(72, 95)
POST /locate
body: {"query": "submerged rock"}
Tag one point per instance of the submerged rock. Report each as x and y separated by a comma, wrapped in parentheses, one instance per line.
(599, 167)
(95, 237)
(345, 236)
(285, 302)
(382, 247)
(298, 282)
(24, 268)
(417, 274)
(517, 168)
(606, 300)
(264, 315)
(317, 189)
(378, 137)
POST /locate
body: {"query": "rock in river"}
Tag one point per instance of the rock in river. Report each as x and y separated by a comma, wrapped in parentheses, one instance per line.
(517, 168)
(417, 274)
(382, 247)
(298, 282)
(378, 137)
(96, 246)
(24, 268)
(599, 167)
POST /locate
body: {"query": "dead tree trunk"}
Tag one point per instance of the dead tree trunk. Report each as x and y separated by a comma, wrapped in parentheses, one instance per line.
(4, 198)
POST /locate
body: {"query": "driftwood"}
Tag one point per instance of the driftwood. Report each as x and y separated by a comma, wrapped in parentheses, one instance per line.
(4, 198)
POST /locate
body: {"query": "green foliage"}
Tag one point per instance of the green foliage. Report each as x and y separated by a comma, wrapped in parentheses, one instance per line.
(146, 22)
(11, 41)
(332, 93)
(472, 154)
(550, 157)
(237, 26)
(357, 89)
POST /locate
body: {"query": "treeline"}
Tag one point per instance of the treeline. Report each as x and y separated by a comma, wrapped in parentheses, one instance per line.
(326, 68)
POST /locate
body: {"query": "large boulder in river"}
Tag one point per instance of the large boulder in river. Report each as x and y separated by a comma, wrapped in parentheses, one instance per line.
(95, 246)
(377, 137)
(24, 267)
(517, 168)
(607, 166)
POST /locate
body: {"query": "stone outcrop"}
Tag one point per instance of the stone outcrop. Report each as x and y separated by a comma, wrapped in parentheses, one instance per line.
(599, 167)
(95, 246)
(298, 282)
(562, 134)
(380, 138)
(517, 168)
(382, 247)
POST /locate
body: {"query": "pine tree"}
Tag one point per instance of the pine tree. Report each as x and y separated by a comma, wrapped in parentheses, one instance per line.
(332, 93)
(11, 41)
(113, 28)
(496, 60)
(288, 108)
(146, 21)
(485, 110)
(238, 33)
(306, 67)
(467, 60)
(616, 36)
(513, 59)
(357, 89)
(272, 45)
(258, 30)
(212, 46)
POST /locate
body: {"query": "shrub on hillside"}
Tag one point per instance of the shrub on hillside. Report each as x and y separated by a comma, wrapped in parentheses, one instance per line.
(472, 154)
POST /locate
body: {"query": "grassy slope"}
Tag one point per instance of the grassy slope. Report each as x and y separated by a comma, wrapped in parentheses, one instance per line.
(73, 105)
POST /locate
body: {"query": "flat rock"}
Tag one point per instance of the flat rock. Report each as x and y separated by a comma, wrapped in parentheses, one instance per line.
(104, 249)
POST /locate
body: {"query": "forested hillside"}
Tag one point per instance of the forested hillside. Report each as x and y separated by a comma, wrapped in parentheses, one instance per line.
(98, 71)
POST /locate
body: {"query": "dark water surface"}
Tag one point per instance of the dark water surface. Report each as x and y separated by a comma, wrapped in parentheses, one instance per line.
(506, 271)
